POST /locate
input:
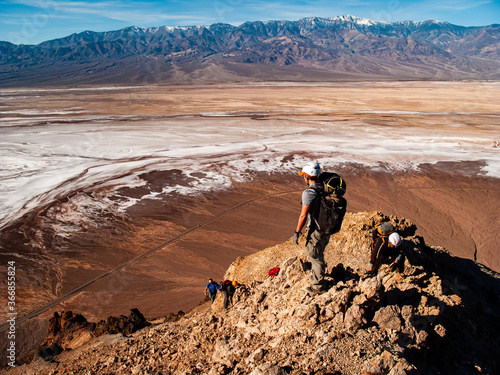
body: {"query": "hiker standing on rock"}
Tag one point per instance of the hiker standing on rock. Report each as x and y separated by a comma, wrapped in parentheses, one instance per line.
(386, 245)
(228, 288)
(323, 209)
(211, 290)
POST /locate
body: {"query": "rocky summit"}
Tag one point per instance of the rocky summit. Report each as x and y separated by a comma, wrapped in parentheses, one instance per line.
(441, 315)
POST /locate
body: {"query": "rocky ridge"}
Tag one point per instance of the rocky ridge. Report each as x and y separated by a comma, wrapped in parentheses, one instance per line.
(439, 316)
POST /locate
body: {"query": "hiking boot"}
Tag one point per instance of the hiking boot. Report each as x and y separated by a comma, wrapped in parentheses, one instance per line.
(368, 274)
(327, 284)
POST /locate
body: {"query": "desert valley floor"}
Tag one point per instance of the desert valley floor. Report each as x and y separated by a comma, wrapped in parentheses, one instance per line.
(93, 177)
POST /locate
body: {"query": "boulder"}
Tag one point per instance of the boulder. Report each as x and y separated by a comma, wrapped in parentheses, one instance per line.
(388, 318)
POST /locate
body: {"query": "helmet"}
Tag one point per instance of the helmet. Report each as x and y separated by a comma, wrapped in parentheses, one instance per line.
(395, 239)
(235, 283)
(312, 169)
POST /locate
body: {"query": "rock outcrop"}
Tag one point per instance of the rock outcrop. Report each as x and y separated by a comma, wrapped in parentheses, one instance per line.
(69, 330)
(439, 316)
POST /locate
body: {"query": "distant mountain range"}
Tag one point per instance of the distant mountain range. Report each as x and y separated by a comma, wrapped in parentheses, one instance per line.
(339, 48)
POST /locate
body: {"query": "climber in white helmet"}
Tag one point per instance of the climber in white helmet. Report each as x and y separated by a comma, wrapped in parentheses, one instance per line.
(386, 246)
(395, 239)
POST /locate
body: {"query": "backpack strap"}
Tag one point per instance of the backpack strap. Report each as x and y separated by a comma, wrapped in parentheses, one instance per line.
(314, 207)
(317, 190)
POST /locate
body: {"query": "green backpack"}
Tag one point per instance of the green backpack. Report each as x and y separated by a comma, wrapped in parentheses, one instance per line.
(329, 207)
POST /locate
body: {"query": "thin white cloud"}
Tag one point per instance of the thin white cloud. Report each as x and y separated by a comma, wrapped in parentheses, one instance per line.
(137, 13)
(268, 10)
(321, 8)
(15, 21)
(36, 3)
(458, 5)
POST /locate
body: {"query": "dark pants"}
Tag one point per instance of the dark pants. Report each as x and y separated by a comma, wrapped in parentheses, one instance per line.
(212, 296)
(315, 250)
(228, 296)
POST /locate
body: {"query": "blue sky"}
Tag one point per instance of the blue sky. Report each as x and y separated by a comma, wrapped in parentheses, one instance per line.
(34, 21)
